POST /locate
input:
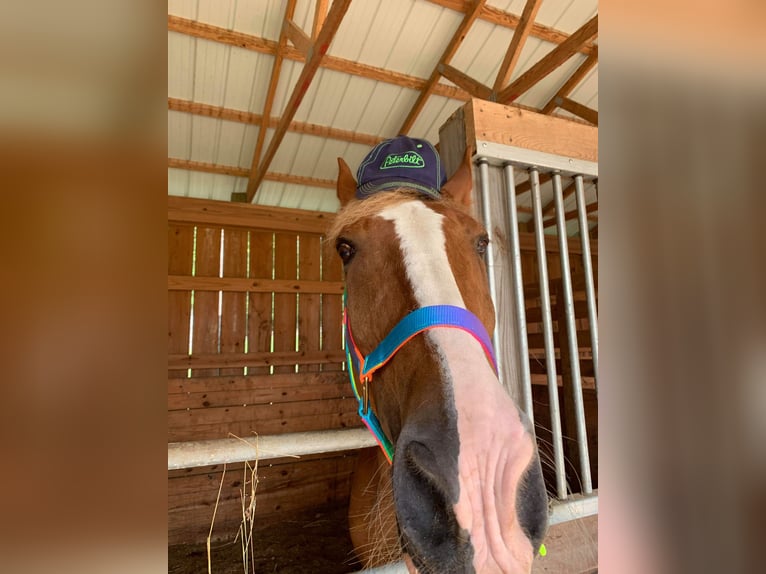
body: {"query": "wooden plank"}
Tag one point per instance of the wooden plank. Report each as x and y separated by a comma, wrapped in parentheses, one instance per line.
(550, 61)
(180, 245)
(240, 116)
(252, 382)
(242, 172)
(192, 524)
(507, 20)
(572, 214)
(259, 322)
(181, 283)
(469, 84)
(285, 267)
(216, 168)
(205, 307)
(298, 37)
(220, 422)
(577, 77)
(225, 213)
(233, 304)
(323, 41)
(510, 125)
(520, 35)
(457, 38)
(320, 13)
(578, 109)
(332, 311)
(281, 359)
(309, 309)
(276, 68)
(525, 186)
(256, 396)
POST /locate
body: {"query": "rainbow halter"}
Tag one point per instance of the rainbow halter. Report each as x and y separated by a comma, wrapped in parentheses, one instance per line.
(411, 324)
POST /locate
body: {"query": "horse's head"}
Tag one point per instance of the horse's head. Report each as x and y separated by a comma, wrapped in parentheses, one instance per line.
(468, 489)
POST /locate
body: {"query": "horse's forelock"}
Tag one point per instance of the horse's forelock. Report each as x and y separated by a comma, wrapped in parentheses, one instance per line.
(360, 209)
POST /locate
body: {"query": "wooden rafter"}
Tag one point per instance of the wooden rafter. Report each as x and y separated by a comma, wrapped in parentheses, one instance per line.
(473, 87)
(264, 46)
(551, 206)
(250, 118)
(550, 62)
(508, 20)
(320, 13)
(276, 69)
(578, 109)
(457, 38)
(298, 37)
(323, 41)
(577, 77)
(517, 44)
(527, 185)
(569, 215)
(244, 172)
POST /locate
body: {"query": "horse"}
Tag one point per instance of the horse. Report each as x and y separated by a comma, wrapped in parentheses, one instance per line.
(457, 484)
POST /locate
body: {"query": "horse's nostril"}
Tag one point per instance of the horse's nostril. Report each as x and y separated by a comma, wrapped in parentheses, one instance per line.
(425, 493)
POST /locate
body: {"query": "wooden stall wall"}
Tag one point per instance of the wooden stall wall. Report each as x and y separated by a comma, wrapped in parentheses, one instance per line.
(254, 347)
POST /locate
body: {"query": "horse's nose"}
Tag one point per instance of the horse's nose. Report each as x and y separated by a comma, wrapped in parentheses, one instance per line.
(426, 490)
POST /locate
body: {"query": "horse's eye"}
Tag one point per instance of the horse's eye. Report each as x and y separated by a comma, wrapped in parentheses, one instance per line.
(481, 244)
(345, 249)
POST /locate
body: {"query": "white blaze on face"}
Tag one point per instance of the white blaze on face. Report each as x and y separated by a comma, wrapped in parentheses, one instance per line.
(494, 446)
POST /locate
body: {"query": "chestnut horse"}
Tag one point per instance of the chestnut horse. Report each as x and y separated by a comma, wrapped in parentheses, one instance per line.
(464, 491)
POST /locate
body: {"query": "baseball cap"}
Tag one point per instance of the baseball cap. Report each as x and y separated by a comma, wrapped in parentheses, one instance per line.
(401, 162)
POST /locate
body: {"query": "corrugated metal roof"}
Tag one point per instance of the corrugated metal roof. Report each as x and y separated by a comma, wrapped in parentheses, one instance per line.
(403, 36)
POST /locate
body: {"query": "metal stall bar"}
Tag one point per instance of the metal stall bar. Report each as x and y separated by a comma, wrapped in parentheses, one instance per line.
(518, 291)
(550, 350)
(490, 258)
(590, 289)
(571, 327)
(230, 450)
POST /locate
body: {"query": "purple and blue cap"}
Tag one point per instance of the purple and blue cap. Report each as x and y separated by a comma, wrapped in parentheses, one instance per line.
(401, 162)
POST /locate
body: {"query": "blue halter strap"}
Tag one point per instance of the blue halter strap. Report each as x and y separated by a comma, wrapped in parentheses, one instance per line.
(411, 325)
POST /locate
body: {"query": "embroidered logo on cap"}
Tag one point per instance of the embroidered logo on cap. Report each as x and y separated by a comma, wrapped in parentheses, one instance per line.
(409, 159)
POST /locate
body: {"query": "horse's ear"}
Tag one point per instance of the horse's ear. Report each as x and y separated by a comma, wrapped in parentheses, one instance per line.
(460, 186)
(346, 187)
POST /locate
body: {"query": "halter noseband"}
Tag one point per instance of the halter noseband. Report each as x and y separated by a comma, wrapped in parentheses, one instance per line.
(410, 325)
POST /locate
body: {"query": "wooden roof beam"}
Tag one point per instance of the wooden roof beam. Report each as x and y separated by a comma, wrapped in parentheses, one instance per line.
(508, 20)
(457, 38)
(550, 62)
(473, 87)
(578, 109)
(320, 13)
(235, 171)
(520, 35)
(276, 69)
(323, 41)
(569, 215)
(298, 37)
(250, 118)
(577, 77)
(527, 185)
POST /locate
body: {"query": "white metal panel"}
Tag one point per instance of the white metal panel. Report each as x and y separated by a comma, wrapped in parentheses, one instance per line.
(183, 8)
(181, 56)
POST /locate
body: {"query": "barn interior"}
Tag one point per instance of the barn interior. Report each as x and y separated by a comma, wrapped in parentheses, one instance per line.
(263, 97)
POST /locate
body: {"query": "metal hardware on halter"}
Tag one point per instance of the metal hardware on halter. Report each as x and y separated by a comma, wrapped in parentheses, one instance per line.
(411, 324)
(365, 395)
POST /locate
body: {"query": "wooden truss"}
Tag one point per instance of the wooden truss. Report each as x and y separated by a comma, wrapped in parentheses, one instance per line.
(297, 45)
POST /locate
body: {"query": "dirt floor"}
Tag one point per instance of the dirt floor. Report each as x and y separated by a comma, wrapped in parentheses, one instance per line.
(317, 543)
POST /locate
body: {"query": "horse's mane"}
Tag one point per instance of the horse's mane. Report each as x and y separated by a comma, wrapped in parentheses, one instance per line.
(358, 209)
